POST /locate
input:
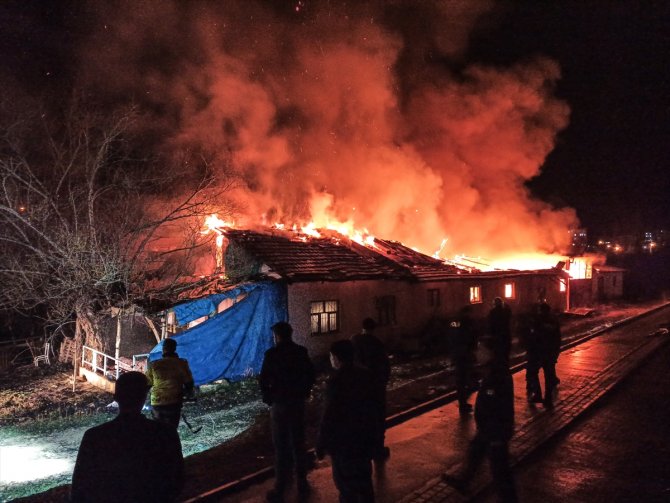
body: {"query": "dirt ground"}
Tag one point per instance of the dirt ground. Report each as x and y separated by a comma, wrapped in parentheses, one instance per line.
(29, 393)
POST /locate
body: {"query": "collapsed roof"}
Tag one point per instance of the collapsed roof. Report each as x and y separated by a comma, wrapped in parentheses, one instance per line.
(297, 257)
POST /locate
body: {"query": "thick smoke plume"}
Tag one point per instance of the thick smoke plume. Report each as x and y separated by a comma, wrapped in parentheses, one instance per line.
(362, 114)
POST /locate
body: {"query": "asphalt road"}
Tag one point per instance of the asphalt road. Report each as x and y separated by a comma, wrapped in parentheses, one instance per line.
(619, 451)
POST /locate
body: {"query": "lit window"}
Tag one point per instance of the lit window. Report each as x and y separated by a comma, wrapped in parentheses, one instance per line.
(385, 310)
(510, 291)
(475, 294)
(562, 286)
(434, 297)
(323, 314)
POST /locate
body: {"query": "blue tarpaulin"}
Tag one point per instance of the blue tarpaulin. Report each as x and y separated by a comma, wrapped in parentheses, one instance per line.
(231, 344)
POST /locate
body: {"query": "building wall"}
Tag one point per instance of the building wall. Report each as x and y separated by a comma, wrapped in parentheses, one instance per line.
(356, 302)
(607, 285)
(415, 317)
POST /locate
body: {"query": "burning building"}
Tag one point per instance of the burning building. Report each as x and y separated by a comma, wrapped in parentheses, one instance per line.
(325, 286)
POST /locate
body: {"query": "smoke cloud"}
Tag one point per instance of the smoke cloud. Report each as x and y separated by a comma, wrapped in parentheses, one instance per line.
(344, 114)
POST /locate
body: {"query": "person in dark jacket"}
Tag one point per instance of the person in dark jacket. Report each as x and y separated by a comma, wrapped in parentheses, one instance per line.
(494, 417)
(130, 458)
(170, 379)
(369, 352)
(500, 319)
(463, 344)
(543, 349)
(286, 380)
(348, 425)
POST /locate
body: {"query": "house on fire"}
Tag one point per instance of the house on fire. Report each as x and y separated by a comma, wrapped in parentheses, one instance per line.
(326, 286)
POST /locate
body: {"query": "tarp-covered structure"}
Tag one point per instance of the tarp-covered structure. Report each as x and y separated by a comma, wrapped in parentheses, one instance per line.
(231, 344)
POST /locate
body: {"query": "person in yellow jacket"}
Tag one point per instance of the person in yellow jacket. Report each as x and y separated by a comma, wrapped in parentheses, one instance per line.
(170, 379)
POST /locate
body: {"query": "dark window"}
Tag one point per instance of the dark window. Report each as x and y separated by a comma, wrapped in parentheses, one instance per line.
(323, 315)
(434, 297)
(385, 310)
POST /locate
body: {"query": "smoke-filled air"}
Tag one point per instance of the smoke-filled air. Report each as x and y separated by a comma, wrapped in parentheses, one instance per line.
(357, 115)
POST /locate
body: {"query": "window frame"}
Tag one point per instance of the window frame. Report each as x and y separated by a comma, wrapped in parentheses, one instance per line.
(319, 317)
(433, 297)
(512, 286)
(385, 306)
(476, 299)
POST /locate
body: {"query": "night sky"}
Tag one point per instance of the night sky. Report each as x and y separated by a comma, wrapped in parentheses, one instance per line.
(610, 163)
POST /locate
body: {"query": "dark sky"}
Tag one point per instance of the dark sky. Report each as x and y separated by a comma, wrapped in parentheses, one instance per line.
(610, 164)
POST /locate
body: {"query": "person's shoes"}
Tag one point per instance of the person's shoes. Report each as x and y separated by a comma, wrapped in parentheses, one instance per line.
(466, 408)
(456, 482)
(274, 496)
(548, 404)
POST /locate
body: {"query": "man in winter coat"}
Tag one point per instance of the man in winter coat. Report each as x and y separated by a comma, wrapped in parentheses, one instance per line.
(494, 417)
(130, 458)
(463, 343)
(543, 350)
(170, 379)
(348, 425)
(286, 380)
(369, 352)
(500, 319)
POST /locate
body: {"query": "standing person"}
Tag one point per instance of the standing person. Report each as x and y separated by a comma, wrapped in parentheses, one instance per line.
(547, 347)
(170, 378)
(286, 380)
(531, 341)
(494, 417)
(348, 425)
(369, 352)
(130, 458)
(463, 346)
(500, 319)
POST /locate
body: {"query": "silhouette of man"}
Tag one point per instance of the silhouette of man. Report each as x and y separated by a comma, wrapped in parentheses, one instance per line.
(348, 425)
(542, 352)
(130, 458)
(170, 378)
(463, 346)
(500, 318)
(494, 417)
(369, 352)
(286, 380)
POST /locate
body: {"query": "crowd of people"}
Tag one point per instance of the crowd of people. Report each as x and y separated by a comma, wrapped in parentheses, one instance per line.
(352, 428)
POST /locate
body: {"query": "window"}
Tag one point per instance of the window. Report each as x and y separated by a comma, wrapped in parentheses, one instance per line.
(562, 285)
(475, 294)
(510, 291)
(434, 297)
(323, 314)
(385, 310)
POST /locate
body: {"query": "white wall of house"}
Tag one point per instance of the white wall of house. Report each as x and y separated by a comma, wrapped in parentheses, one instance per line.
(414, 306)
(356, 301)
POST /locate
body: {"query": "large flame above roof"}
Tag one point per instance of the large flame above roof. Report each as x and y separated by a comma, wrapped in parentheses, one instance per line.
(345, 115)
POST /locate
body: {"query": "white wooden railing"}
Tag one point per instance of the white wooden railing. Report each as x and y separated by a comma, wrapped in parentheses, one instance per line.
(100, 362)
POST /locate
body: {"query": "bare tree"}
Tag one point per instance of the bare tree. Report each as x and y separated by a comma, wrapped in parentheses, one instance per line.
(86, 224)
